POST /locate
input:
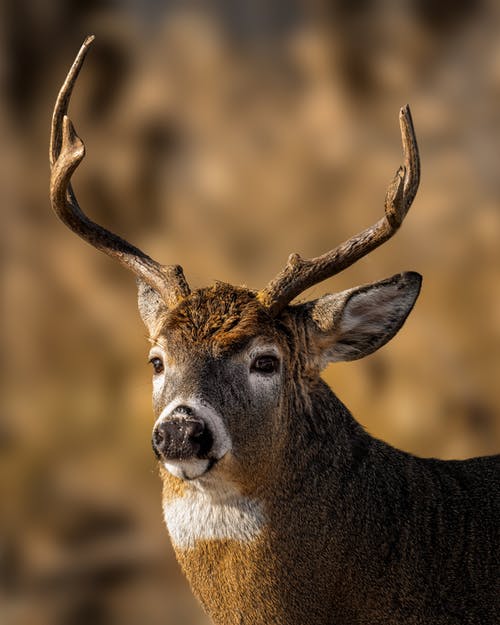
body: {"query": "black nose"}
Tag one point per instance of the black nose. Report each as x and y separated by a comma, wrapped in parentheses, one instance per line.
(182, 438)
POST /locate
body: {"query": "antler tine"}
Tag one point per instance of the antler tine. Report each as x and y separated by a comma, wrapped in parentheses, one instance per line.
(300, 274)
(66, 153)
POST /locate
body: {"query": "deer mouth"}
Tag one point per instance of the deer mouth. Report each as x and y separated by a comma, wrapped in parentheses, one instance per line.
(190, 438)
(184, 446)
(190, 469)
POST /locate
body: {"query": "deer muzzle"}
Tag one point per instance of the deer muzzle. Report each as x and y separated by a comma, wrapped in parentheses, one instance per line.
(182, 436)
(189, 438)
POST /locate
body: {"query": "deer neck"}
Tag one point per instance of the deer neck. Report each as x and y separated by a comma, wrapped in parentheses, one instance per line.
(238, 547)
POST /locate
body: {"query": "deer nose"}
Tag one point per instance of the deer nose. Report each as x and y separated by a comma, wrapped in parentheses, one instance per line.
(182, 436)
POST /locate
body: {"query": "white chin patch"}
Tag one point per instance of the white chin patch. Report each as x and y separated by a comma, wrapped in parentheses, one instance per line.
(187, 469)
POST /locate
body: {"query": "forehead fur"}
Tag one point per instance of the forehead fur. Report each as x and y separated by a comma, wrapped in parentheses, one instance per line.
(220, 316)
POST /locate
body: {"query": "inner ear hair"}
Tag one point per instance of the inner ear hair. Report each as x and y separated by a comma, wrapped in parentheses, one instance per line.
(151, 305)
(355, 323)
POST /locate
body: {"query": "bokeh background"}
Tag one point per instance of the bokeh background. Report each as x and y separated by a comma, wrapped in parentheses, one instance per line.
(223, 135)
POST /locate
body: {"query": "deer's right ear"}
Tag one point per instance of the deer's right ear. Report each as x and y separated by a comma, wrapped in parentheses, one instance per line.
(355, 323)
(151, 305)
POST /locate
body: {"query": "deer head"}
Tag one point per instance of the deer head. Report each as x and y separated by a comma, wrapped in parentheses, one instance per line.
(233, 368)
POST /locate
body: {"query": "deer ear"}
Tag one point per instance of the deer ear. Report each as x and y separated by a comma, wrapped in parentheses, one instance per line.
(151, 305)
(355, 323)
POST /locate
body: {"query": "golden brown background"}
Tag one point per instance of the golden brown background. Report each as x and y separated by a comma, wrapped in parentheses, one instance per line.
(223, 135)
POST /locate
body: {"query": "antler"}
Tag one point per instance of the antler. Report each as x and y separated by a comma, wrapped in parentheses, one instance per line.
(66, 153)
(299, 273)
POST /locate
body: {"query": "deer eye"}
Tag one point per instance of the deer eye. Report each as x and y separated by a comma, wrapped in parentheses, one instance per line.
(157, 364)
(265, 364)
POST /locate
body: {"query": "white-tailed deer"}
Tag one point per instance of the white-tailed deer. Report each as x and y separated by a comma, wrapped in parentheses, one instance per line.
(280, 507)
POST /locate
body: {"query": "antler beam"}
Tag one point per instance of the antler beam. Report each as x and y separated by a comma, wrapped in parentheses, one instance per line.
(300, 274)
(66, 153)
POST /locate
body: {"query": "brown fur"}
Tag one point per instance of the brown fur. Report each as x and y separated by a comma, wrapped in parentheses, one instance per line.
(220, 318)
(355, 530)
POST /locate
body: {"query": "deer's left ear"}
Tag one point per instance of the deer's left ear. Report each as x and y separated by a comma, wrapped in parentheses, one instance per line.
(355, 323)
(151, 305)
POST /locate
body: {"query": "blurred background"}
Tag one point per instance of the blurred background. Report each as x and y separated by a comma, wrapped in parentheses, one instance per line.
(223, 135)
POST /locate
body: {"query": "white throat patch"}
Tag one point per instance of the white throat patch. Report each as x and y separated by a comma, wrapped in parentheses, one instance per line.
(201, 515)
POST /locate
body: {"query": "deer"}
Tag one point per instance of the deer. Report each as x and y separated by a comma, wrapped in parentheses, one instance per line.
(280, 507)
